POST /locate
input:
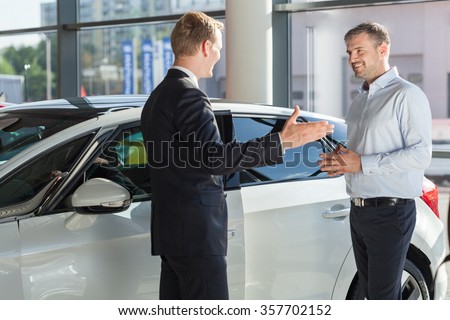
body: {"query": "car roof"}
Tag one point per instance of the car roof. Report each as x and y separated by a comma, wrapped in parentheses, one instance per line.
(94, 106)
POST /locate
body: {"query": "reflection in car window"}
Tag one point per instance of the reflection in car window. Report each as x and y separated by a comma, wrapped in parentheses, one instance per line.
(30, 179)
(299, 163)
(124, 161)
(20, 130)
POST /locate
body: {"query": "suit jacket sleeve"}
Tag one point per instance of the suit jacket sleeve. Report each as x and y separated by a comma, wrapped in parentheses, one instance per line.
(195, 119)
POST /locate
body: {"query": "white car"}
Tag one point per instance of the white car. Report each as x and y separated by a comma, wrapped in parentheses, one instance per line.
(439, 169)
(75, 210)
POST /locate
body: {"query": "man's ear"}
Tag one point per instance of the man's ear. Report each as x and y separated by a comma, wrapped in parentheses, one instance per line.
(384, 49)
(205, 48)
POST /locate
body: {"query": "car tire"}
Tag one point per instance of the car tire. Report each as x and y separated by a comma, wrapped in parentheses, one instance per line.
(414, 285)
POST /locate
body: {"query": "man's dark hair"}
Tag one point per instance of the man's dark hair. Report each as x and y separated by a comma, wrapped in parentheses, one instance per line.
(377, 32)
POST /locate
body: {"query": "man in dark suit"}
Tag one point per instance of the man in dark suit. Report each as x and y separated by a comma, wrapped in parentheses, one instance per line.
(187, 159)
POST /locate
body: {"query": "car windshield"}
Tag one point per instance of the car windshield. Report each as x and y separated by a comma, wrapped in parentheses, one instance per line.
(20, 130)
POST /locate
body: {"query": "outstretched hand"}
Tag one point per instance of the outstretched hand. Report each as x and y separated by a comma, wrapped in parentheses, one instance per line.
(295, 134)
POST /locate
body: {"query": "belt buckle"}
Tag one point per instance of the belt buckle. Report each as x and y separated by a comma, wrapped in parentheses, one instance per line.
(359, 202)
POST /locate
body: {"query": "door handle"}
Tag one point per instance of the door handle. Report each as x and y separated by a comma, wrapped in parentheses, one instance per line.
(333, 214)
(231, 234)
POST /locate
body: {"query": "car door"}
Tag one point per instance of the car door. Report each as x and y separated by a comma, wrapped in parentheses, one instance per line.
(236, 242)
(10, 277)
(28, 175)
(67, 255)
(296, 220)
(23, 192)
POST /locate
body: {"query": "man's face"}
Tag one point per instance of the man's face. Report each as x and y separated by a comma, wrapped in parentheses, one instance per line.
(365, 58)
(214, 54)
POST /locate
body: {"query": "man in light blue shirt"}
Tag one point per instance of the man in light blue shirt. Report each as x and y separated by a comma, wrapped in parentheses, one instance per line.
(389, 148)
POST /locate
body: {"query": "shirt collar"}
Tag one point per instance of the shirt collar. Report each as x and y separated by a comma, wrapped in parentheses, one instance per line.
(382, 80)
(191, 75)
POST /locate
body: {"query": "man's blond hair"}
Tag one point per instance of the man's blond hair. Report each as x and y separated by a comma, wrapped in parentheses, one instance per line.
(191, 30)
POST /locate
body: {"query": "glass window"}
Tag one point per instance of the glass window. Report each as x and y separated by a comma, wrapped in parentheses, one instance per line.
(303, 1)
(439, 169)
(19, 131)
(324, 82)
(124, 161)
(28, 67)
(299, 163)
(27, 14)
(27, 182)
(101, 10)
(127, 60)
(320, 68)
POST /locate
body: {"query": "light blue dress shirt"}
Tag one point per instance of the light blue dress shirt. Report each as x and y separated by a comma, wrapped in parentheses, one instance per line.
(389, 125)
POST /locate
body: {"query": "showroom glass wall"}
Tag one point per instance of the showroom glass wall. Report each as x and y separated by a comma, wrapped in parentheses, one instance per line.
(322, 79)
(28, 62)
(123, 46)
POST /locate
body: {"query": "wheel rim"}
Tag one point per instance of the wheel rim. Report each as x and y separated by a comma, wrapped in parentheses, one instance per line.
(411, 289)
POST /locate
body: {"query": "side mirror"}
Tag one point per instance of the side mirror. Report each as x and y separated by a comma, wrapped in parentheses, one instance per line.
(100, 195)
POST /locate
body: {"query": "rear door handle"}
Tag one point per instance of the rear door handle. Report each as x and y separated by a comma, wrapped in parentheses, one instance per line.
(231, 234)
(333, 214)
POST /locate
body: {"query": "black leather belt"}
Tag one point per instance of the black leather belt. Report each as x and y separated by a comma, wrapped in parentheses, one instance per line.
(379, 202)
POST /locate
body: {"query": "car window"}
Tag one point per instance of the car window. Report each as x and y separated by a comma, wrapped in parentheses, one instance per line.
(299, 163)
(30, 179)
(20, 130)
(124, 161)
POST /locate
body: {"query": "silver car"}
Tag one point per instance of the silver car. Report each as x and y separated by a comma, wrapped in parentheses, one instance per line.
(75, 210)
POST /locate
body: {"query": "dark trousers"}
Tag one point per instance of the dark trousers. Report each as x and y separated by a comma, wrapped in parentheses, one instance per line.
(381, 238)
(193, 278)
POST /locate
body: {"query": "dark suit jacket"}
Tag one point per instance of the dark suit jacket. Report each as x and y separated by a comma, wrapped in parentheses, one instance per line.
(187, 159)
